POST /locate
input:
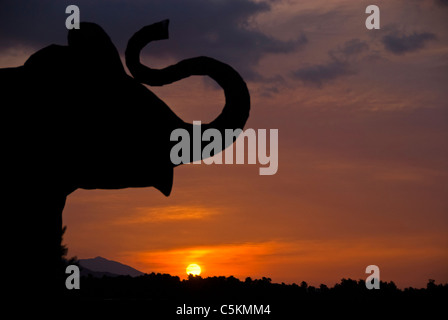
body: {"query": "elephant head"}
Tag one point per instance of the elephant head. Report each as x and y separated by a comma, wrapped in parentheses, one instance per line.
(139, 155)
(73, 118)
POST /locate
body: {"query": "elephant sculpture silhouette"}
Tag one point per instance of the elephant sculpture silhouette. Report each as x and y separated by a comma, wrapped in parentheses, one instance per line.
(73, 118)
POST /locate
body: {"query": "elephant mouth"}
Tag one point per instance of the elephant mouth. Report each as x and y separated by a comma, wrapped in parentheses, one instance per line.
(162, 181)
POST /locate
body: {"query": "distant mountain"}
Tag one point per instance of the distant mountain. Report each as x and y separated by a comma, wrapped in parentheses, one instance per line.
(100, 266)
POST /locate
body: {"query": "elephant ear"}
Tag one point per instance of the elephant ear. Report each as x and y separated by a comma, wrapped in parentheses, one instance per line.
(92, 41)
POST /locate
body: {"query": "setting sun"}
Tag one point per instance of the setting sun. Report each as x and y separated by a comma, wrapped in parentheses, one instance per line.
(194, 269)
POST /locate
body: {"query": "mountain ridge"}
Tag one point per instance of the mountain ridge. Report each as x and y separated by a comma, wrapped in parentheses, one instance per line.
(99, 266)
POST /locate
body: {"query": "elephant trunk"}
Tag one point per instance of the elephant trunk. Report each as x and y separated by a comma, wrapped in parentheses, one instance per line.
(236, 110)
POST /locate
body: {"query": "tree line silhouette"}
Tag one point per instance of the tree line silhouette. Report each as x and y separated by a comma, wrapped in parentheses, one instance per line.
(157, 286)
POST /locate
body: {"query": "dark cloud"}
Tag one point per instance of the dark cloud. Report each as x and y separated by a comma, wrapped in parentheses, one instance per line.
(220, 29)
(351, 48)
(340, 64)
(316, 75)
(442, 2)
(401, 44)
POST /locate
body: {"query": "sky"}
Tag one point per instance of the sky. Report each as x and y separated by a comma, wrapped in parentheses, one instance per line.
(362, 119)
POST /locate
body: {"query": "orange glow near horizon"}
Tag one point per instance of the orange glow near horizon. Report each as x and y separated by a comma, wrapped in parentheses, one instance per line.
(315, 262)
